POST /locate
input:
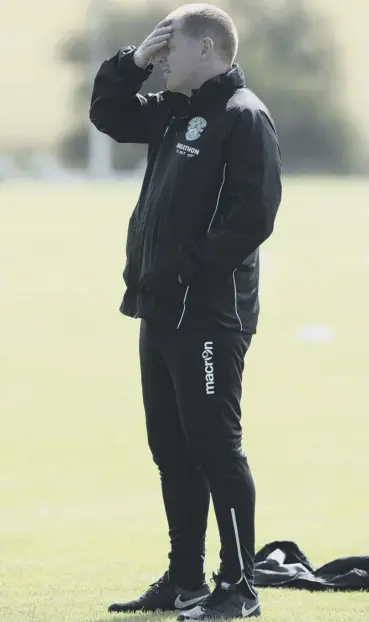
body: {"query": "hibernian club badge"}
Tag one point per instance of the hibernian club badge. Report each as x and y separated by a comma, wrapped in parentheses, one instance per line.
(195, 128)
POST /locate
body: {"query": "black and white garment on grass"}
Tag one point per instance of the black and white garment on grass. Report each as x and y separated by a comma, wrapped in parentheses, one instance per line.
(283, 564)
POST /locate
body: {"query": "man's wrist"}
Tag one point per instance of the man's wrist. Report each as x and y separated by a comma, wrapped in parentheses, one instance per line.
(138, 61)
(127, 63)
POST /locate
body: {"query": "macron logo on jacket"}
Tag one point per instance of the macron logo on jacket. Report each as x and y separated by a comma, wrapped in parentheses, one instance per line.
(208, 356)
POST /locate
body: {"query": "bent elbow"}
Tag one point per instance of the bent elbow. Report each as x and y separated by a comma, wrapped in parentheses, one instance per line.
(96, 117)
(100, 119)
(266, 224)
(269, 215)
(269, 226)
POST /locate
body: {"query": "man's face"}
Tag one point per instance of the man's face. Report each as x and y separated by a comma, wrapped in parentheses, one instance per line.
(180, 61)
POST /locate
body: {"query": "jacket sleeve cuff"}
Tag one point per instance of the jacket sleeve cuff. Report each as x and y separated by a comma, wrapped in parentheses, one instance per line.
(126, 63)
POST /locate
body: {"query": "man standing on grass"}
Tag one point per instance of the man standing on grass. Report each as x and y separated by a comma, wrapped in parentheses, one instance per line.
(209, 199)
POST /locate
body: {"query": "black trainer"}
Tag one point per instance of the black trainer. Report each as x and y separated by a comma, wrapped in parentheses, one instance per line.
(163, 595)
(225, 602)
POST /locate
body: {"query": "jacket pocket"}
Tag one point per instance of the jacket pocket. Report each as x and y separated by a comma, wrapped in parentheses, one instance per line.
(163, 282)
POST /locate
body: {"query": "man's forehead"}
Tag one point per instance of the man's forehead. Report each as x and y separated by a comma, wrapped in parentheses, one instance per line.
(176, 23)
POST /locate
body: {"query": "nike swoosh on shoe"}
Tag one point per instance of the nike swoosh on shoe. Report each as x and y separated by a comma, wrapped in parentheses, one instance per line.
(181, 604)
(247, 612)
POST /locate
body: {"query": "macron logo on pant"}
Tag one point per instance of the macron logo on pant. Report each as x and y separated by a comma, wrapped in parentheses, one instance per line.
(208, 356)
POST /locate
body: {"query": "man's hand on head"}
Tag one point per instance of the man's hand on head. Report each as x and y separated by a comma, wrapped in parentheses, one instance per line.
(154, 43)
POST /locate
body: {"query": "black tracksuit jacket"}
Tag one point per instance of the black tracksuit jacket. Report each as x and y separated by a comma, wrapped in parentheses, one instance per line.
(209, 197)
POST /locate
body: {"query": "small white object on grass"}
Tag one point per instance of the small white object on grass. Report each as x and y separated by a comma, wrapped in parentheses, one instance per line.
(316, 333)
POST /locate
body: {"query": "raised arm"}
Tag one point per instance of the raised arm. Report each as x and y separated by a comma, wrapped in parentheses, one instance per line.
(117, 109)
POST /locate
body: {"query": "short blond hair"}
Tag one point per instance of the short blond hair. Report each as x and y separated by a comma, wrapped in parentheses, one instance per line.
(207, 20)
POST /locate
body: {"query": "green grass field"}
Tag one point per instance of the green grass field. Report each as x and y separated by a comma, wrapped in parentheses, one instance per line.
(81, 518)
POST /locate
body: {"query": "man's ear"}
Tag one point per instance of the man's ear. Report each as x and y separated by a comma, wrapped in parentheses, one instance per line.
(207, 46)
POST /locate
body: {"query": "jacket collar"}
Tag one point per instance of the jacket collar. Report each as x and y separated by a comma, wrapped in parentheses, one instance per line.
(212, 89)
(224, 82)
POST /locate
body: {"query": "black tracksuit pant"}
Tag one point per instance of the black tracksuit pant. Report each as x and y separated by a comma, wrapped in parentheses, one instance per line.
(191, 381)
